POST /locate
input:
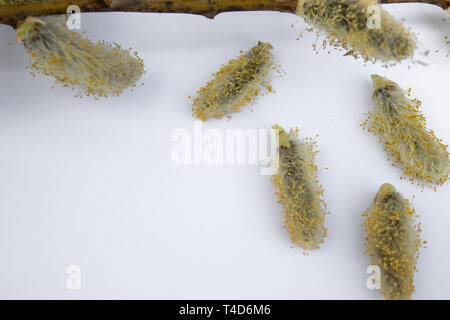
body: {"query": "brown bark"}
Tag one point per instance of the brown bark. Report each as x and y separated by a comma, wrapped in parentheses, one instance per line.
(12, 14)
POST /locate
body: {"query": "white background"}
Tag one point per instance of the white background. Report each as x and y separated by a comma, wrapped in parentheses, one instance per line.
(91, 183)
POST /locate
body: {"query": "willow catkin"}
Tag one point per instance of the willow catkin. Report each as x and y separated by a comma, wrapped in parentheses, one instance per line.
(299, 191)
(393, 242)
(398, 123)
(346, 24)
(97, 69)
(236, 84)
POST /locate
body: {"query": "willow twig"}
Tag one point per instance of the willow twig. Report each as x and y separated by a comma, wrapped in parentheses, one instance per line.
(13, 14)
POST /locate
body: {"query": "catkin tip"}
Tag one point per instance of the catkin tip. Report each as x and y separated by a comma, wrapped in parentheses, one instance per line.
(377, 81)
(381, 82)
(283, 137)
(385, 190)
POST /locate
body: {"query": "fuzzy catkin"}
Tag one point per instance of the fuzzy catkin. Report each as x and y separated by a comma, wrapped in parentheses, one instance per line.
(236, 84)
(98, 69)
(299, 191)
(393, 242)
(346, 24)
(399, 124)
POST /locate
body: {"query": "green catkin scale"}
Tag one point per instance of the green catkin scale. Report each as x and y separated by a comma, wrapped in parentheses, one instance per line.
(399, 124)
(96, 69)
(236, 84)
(346, 24)
(393, 242)
(299, 191)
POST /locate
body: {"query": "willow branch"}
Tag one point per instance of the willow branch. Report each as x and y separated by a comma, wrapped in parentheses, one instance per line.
(12, 14)
(444, 4)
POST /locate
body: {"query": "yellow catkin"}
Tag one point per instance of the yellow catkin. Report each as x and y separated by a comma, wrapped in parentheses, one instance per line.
(393, 242)
(100, 69)
(400, 125)
(299, 191)
(236, 84)
(346, 24)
